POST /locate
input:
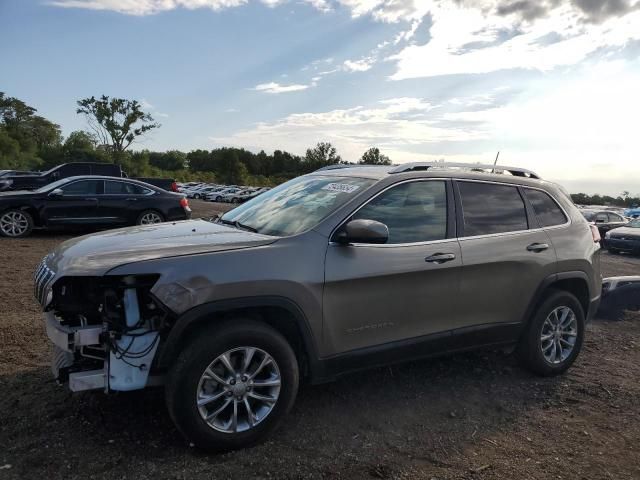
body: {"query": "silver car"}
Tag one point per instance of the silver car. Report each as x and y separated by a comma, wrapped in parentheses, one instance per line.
(329, 273)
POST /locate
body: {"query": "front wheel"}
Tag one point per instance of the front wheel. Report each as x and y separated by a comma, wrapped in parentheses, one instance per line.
(232, 385)
(553, 338)
(15, 224)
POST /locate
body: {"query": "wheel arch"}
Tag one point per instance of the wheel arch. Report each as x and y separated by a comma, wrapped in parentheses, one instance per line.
(576, 283)
(30, 209)
(280, 313)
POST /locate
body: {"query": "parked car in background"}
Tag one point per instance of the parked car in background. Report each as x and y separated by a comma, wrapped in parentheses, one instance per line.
(246, 195)
(39, 179)
(605, 220)
(219, 195)
(343, 269)
(633, 212)
(168, 184)
(233, 195)
(89, 201)
(203, 192)
(624, 239)
(35, 180)
(187, 186)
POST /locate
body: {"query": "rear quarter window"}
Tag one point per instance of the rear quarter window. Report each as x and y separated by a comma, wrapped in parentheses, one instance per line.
(548, 212)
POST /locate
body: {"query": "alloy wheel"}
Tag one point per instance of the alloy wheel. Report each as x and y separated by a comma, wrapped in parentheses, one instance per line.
(559, 335)
(150, 218)
(14, 224)
(238, 390)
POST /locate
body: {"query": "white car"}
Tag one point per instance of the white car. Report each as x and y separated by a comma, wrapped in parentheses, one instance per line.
(220, 194)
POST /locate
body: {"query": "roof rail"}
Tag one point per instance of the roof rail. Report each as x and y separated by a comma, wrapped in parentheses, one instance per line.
(417, 166)
(337, 166)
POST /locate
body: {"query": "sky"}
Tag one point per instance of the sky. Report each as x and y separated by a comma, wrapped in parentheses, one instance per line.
(554, 85)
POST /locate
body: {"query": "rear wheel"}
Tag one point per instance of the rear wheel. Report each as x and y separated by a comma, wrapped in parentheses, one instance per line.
(15, 224)
(553, 338)
(232, 385)
(150, 217)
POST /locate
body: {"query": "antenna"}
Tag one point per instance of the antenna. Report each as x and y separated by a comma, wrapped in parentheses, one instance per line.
(495, 163)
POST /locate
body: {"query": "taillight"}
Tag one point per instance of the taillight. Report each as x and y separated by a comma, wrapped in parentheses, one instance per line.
(184, 203)
(174, 187)
(595, 233)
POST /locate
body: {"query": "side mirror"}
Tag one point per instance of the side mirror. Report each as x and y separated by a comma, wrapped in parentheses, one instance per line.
(600, 220)
(363, 231)
(56, 193)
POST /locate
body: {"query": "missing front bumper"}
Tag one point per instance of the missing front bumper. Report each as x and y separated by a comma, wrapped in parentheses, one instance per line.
(70, 338)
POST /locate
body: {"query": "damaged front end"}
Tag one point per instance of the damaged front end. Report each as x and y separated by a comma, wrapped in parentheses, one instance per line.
(106, 330)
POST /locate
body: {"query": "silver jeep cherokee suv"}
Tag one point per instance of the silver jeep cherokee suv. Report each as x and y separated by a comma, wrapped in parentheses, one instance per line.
(338, 270)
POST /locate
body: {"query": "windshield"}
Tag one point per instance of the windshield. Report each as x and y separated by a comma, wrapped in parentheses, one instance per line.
(297, 205)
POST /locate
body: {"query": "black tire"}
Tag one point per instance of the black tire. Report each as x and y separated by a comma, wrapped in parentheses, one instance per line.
(196, 196)
(183, 380)
(140, 219)
(529, 350)
(218, 199)
(25, 225)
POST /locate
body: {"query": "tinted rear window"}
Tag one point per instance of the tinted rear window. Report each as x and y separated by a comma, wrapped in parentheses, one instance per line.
(488, 208)
(124, 188)
(547, 210)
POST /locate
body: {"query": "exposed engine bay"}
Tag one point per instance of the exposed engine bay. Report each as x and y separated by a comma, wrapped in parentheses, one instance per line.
(106, 331)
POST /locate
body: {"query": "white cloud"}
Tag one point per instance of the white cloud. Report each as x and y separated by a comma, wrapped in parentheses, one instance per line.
(467, 40)
(361, 65)
(274, 87)
(146, 7)
(393, 125)
(145, 104)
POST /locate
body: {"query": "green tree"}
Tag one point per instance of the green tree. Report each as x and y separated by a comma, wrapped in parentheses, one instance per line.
(374, 157)
(117, 122)
(322, 155)
(171, 160)
(24, 135)
(231, 169)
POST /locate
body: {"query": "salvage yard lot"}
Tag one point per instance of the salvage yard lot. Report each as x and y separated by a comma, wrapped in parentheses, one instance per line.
(475, 416)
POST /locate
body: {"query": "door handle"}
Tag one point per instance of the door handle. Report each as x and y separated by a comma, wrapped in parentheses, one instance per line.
(132, 199)
(538, 247)
(440, 258)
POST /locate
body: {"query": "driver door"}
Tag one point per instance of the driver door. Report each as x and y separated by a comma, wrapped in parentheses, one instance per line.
(77, 205)
(401, 290)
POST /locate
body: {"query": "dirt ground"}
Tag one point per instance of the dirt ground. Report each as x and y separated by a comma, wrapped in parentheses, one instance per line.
(472, 416)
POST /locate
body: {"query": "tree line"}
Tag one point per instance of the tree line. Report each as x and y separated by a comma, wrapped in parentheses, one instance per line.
(31, 142)
(625, 199)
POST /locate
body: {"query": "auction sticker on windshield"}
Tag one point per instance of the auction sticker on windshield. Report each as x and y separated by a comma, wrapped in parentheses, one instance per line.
(341, 187)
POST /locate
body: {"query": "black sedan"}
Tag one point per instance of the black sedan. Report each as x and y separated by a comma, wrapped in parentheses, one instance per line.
(89, 201)
(604, 220)
(624, 239)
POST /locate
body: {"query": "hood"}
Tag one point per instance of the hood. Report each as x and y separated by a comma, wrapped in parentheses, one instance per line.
(98, 253)
(625, 232)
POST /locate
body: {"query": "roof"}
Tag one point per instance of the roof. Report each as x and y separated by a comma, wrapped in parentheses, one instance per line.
(434, 170)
